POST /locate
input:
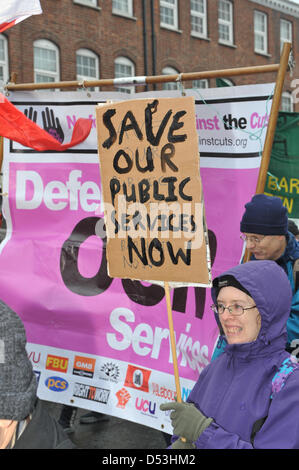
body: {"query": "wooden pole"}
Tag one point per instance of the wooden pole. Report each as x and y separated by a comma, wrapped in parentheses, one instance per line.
(145, 80)
(261, 182)
(173, 343)
(173, 348)
(273, 118)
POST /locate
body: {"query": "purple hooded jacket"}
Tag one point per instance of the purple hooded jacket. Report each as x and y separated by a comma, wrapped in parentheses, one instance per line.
(235, 388)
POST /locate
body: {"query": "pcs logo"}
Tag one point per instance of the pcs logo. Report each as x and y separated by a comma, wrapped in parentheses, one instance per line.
(56, 384)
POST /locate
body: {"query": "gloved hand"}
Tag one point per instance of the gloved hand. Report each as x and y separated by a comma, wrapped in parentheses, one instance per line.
(186, 419)
(179, 444)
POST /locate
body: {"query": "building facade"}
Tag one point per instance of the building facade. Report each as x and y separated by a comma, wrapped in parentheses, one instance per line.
(104, 39)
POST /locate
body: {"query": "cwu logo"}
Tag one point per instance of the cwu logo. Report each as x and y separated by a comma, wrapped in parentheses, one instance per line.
(56, 384)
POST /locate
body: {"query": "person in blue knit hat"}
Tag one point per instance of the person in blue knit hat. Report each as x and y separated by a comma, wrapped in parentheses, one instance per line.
(264, 229)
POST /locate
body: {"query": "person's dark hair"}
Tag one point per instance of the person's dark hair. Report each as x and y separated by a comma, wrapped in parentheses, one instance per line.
(293, 228)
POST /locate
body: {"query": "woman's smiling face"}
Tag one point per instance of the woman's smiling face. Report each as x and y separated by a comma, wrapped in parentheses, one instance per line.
(239, 328)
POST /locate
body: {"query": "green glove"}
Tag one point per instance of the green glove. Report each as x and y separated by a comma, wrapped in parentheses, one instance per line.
(186, 419)
(179, 444)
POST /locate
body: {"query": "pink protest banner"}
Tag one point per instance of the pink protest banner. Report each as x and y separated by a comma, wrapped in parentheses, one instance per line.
(97, 342)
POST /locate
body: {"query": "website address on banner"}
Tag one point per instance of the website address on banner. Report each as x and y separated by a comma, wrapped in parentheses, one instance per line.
(223, 141)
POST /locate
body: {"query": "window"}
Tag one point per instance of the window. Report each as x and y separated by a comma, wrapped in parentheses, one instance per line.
(88, 3)
(225, 21)
(3, 59)
(87, 65)
(123, 7)
(46, 61)
(222, 82)
(285, 32)
(198, 12)
(203, 83)
(286, 102)
(124, 67)
(260, 33)
(169, 14)
(170, 85)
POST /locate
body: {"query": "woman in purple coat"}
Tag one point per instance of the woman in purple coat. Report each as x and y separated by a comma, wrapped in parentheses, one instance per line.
(249, 396)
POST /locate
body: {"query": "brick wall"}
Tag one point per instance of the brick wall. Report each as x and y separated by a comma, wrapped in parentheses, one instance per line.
(71, 26)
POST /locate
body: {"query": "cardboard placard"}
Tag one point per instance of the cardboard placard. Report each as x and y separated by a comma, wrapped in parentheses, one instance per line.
(152, 192)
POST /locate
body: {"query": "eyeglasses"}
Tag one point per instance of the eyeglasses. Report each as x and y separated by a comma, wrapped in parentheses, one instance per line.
(254, 240)
(234, 309)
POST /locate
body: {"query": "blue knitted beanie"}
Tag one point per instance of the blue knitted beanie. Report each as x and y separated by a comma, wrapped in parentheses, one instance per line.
(265, 215)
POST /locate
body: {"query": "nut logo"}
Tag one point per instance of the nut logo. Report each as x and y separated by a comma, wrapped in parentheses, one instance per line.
(57, 363)
(84, 366)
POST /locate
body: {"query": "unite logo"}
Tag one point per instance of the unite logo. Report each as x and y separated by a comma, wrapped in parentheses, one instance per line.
(57, 363)
(137, 378)
(84, 366)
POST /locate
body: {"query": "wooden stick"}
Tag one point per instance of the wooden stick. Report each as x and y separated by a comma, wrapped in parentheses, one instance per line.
(273, 118)
(261, 182)
(173, 347)
(147, 80)
(173, 343)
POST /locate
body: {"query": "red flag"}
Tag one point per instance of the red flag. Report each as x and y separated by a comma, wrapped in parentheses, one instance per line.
(14, 11)
(16, 126)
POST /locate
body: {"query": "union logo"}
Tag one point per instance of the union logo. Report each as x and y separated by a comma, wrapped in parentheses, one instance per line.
(123, 397)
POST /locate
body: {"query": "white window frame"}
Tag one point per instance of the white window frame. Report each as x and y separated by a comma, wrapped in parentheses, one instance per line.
(88, 3)
(45, 44)
(123, 11)
(287, 103)
(171, 6)
(170, 85)
(128, 63)
(261, 33)
(201, 83)
(203, 16)
(289, 36)
(4, 63)
(90, 54)
(228, 23)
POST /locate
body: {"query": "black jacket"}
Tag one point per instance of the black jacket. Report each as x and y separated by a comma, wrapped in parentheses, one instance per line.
(43, 432)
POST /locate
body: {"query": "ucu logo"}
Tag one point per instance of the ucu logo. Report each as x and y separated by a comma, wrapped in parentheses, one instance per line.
(145, 405)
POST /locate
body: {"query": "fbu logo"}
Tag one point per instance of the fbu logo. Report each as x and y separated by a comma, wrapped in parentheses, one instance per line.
(56, 384)
(59, 364)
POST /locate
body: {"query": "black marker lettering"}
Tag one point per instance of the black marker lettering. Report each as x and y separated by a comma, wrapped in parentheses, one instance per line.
(108, 124)
(157, 245)
(132, 124)
(149, 111)
(167, 152)
(149, 161)
(128, 160)
(132, 247)
(181, 188)
(175, 126)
